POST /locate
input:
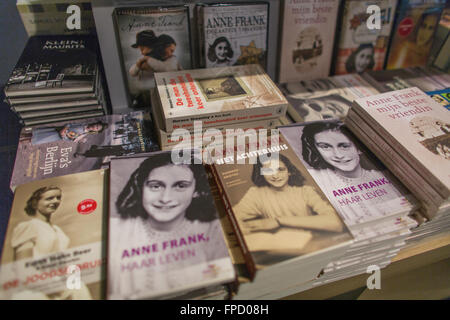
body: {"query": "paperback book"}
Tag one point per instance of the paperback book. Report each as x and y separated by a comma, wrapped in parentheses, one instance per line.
(229, 95)
(165, 236)
(81, 145)
(232, 34)
(151, 39)
(45, 255)
(307, 38)
(361, 46)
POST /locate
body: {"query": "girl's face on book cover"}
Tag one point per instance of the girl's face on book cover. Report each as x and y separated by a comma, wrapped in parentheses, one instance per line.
(168, 192)
(426, 30)
(276, 173)
(337, 150)
(49, 202)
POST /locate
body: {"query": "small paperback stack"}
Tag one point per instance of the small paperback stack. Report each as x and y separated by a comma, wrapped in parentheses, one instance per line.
(369, 199)
(57, 78)
(238, 97)
(325, 98)
(287, 229)
(410, 133)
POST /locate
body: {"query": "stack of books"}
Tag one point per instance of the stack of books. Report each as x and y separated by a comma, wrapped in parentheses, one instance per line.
(57, 78)
(287, 230)
(410, 134)
(324, 98)
(369, 199)
(202, 103)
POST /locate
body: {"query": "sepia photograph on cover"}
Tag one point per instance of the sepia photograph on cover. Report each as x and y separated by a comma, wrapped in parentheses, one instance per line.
(356, 183)
(43, 241)
(281, 214)
(433, 134)
(151, 39)
(79, 145)
(223, 87)
(234, 34)
(52, 64)
(165, 232)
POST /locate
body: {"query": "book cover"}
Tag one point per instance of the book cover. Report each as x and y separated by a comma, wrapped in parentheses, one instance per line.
(165, 236)
(356, 183)
(307, 38)
(55, 65)
(413, 33)
(325, 98)
(439, 57)
(218, 96)
(80, 145)
(417, 126)
(50, 17)
(360, 48)
(277, 210)
(151, 39)
(54, 247)
(234, 34)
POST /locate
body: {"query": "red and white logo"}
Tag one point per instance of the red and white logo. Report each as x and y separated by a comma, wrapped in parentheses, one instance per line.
(405, 27)
(87, 206)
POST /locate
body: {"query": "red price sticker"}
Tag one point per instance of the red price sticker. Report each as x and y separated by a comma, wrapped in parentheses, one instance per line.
(405, 27)
(87, 206)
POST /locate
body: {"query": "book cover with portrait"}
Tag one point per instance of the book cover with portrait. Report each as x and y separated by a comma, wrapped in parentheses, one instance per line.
(233, 34)
(151, 39)
(307, 38)
(227, 95)
(324, 98)
(51, 65)
(277, 210)
(80, 145)
(356, 183)
(165, 235)
(360, 48)
(55, 242)
(417, 128)
(413, 33)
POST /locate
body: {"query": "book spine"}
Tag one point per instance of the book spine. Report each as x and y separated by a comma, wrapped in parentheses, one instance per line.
(200, 16)
(229, 210)
(227, 117)
(294, 114)
(396, 145)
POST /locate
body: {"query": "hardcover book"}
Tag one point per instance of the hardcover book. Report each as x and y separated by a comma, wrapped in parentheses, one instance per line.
(151, 39)
(307, 38)
(233, 34)
(417, 127)
(362, 47)
(52, 65)
(165, 236)
(54, 247)
(325, 98)
(81, 145)
(277, 211)
(356, 183)
(413, 33)
(228, 95)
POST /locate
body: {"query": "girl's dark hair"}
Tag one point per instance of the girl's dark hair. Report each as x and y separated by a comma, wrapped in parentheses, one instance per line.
(103, 124)
(129, 201)
(309, 151)
(158, 51)
(212, 49)
(428, 12)
(295, 177)
(30, 209)
(350, 63)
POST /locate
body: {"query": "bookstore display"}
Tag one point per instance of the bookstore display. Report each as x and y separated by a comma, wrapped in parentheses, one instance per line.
(225, 178)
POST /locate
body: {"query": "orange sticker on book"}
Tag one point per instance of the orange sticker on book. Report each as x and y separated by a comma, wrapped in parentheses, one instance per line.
(87, 206)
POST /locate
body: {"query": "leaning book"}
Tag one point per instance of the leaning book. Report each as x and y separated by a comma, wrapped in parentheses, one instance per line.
(307, 40)
(80, 145)
(45, 255)
(52, 65)
(151, 39)
(227, 95)
(165, 235)
(232, 34)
